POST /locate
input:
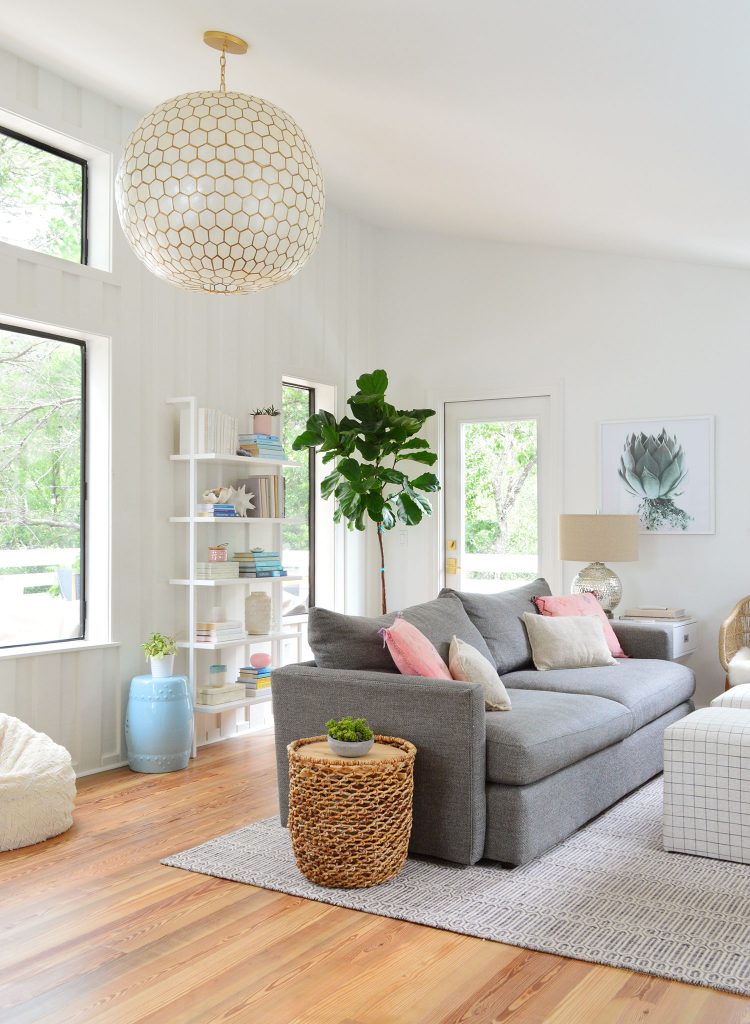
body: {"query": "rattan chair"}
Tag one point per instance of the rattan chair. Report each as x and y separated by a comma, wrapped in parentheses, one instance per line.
(734, 634)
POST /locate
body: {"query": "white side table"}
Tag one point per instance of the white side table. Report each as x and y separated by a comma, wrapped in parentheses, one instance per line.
(683, 634)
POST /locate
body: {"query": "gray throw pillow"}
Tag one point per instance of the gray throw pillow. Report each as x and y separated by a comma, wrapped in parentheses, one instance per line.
(352, 641)
(499, 618)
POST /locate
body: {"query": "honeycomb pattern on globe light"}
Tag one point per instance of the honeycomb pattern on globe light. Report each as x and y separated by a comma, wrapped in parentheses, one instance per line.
(220, 192)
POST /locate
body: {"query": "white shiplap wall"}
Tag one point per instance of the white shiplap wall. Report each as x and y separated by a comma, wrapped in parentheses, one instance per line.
(231, 352)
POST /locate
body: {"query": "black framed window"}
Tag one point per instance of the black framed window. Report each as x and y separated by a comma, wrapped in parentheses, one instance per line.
(42, 487)
(298, 552)
(43, 198)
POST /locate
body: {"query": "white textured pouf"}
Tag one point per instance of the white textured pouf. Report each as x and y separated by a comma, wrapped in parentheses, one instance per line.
(707, 784)
(37, 786)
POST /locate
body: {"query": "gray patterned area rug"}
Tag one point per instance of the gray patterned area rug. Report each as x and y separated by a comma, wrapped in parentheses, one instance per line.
(607, 895)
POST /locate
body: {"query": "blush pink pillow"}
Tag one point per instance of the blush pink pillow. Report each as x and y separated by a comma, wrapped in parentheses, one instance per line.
(581, 604)
(412, 651)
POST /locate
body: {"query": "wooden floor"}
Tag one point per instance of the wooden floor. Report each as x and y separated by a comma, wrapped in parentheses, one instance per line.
(95, 930)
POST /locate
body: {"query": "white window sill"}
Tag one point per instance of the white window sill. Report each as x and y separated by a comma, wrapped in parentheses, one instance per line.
(63, 647)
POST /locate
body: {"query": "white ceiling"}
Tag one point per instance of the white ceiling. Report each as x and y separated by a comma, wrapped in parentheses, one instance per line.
(619, 125)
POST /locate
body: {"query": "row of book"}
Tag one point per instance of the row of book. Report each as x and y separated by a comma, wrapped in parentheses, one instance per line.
(269, 496)
(216, 432)
(217, 632)
(258, 564)
(261, 446)
(217, 570)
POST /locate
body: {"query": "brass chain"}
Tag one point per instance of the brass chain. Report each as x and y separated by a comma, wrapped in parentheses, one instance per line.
(222, 70)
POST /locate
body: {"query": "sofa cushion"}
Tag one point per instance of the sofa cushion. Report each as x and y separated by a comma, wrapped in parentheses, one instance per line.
(548, 731)
(498, 617)
(647, 688)
(352, 641)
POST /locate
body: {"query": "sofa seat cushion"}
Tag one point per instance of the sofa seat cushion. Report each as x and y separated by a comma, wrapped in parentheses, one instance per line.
(548, 731)
(354, 642)
(647, 688)
(499, 618)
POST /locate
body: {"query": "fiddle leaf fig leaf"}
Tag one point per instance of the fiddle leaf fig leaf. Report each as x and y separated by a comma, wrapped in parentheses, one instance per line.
(426, 482)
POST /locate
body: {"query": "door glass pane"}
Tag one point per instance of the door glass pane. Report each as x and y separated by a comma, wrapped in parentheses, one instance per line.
(499, 505)
(41, 456)
(297, 407)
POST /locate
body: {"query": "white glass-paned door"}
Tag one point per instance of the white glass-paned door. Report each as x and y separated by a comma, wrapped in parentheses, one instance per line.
(499, 529)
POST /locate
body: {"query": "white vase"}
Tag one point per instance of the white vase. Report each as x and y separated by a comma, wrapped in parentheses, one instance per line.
(162, 668)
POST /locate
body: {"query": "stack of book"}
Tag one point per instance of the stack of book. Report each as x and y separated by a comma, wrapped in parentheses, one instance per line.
(259, 564)
(218, 632)
(216, 433)
(269, 496)
(224, 511)
(261, 446)
(255, 680)
(217, 570)
(204, 510)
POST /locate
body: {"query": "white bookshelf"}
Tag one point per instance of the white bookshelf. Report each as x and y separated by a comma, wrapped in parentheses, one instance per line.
(195, 469)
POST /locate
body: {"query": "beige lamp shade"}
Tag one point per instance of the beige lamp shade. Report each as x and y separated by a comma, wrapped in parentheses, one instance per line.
(599, 538)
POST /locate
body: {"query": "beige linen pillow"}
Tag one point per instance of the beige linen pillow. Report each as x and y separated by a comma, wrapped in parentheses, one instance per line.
(467, 665)
(571, 641)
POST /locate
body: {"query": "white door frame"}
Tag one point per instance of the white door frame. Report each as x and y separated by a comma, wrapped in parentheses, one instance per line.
(483, 393)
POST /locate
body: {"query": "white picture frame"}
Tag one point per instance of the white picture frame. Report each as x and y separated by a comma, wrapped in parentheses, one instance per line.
(681, 499)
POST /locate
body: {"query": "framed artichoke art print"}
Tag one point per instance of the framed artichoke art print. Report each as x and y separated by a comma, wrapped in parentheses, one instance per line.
(662, 471)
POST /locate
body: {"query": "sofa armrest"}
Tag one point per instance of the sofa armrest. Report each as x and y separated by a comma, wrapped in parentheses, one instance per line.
(644, 639)
(442, 718)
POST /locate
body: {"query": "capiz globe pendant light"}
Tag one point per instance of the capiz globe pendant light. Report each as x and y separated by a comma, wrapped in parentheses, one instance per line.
(220, 192)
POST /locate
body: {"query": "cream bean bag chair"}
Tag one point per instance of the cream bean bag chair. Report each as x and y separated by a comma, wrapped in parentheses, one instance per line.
(37, 786)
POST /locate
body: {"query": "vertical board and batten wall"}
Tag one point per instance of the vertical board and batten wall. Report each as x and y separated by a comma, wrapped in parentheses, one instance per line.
(229, 351)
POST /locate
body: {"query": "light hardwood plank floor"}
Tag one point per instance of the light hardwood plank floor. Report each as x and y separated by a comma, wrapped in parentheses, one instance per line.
(96, 931)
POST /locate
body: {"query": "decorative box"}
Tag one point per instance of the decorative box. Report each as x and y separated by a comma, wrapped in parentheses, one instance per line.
(218, 553)
(220, 694)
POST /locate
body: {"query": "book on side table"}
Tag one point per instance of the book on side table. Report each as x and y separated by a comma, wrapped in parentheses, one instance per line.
(655, 612)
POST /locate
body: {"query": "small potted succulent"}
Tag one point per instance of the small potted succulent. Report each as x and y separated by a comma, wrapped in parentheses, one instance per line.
(349, 737)
(263, 419)
(160, 650)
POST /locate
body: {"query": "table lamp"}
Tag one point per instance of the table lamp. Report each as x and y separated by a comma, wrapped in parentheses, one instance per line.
(596, 539)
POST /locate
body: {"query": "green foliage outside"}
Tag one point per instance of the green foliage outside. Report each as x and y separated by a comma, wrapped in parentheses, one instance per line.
(296, 410)
(40, 443)
(500, 477)
(349, 730)
(370, 447)
(41, 200)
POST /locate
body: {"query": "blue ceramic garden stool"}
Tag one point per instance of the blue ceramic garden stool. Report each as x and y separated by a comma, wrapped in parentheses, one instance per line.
(159, 724)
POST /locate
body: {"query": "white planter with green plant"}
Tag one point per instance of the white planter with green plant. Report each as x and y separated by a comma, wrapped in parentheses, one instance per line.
(160, 651)
(349, 737)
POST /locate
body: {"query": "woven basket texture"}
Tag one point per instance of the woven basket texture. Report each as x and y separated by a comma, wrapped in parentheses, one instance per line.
(350, 819)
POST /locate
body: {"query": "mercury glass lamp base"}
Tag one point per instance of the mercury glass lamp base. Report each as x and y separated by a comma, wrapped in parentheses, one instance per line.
(600, 581)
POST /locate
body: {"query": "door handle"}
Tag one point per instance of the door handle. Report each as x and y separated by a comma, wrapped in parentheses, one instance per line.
(451, 566)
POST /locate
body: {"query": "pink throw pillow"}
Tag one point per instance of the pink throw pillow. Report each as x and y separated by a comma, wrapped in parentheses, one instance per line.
(581, 604)
(412, 651)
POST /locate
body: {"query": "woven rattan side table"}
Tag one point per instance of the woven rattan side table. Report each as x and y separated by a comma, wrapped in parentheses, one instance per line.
(350, 818)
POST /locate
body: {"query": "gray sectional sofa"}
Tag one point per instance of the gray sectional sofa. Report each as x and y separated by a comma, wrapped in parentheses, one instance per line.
(505, 785)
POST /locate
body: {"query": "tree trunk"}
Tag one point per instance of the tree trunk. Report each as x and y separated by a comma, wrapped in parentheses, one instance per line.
(383, 597)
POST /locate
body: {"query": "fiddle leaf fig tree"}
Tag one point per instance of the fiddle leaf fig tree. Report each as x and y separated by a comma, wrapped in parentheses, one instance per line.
(374, 449)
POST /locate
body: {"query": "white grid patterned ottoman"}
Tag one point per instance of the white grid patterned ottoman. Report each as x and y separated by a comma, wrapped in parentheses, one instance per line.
(736, 697)
(707, 784)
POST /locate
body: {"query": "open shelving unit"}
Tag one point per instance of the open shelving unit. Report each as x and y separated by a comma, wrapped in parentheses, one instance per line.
(282, 629)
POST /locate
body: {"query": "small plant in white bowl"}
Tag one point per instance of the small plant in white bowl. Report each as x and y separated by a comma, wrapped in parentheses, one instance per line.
(160, 650)
(349, 737)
